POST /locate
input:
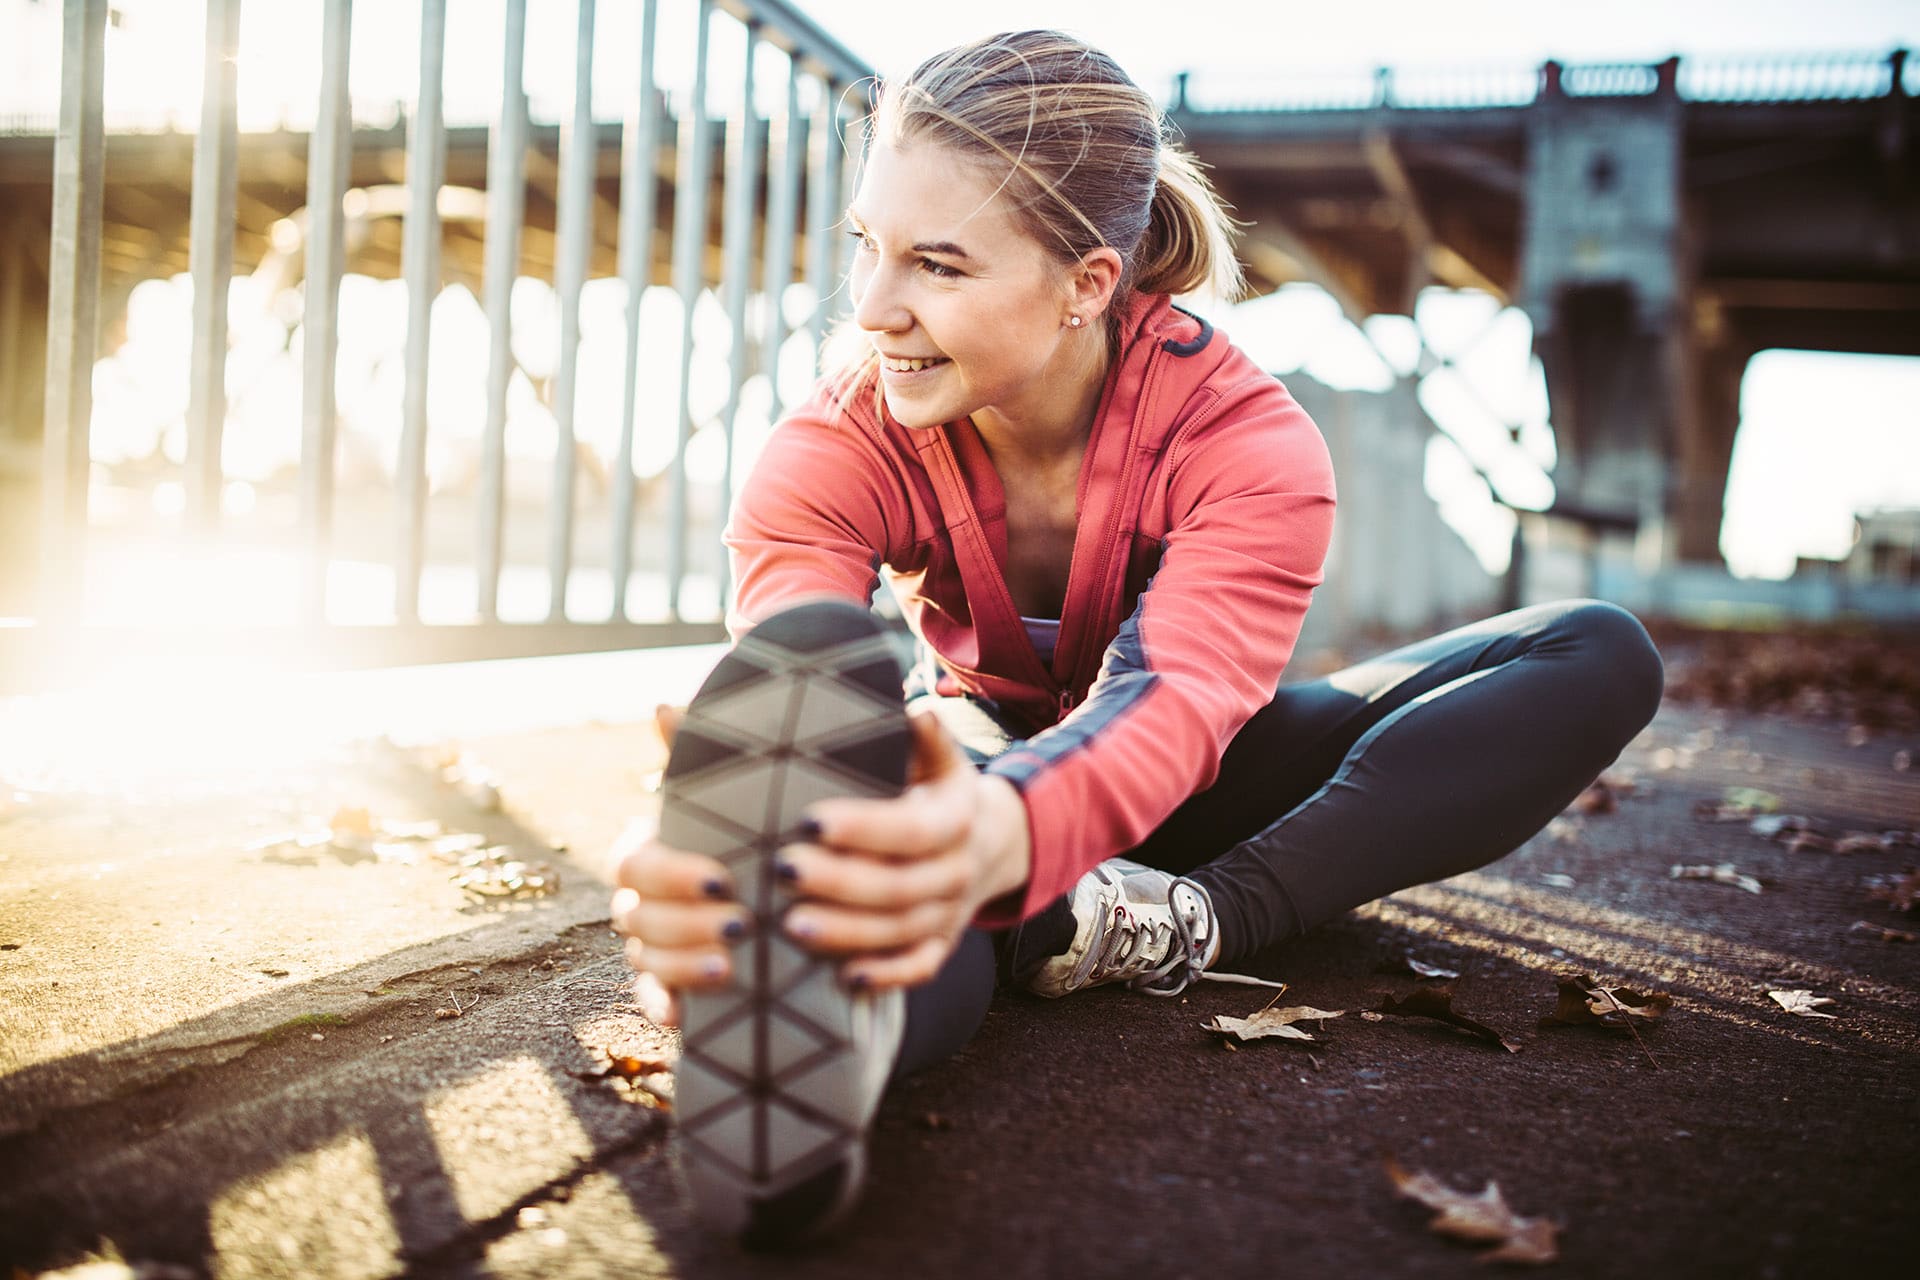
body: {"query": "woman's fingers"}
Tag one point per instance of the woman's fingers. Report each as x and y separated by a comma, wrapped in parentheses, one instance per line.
(908, 968)
(833, 930)
(665, 923)
(654, 870)
(856, 881)
(681, 968)
(656, 1000)
(934, 814)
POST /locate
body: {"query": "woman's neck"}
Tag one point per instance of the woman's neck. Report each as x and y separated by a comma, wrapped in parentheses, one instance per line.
(1055, 426)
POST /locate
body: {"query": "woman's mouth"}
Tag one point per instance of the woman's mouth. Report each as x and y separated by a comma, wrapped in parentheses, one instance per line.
(894, 365)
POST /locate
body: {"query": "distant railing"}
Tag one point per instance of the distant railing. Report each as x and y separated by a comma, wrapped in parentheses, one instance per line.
(781, 185)
(1809, 78)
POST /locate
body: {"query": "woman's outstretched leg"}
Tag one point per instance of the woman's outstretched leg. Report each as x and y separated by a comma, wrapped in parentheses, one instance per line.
(1422, 763)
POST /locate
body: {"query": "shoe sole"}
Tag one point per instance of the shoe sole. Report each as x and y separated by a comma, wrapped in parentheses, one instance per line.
(769, 1099)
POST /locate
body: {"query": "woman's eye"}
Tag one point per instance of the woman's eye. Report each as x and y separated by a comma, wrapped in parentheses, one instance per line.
(940, 269)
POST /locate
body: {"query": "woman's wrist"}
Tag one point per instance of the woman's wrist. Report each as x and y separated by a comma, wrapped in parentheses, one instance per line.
(1009, 838)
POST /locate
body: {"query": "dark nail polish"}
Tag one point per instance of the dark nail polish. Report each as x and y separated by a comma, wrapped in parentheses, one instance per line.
(859, 982)
(715, 888)
(809, 828)
(734, 929)
(786, 870)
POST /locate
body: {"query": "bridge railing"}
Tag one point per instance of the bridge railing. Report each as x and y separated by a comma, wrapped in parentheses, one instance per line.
(1804, 78)
(779, 188)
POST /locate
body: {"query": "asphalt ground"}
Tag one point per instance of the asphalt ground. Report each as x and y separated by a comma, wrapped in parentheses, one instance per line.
(227, 1052)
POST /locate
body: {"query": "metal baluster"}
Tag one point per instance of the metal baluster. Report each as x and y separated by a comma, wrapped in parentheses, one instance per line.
(506, 200)
(824, 208)
(783, 199)
(638, 190)
(73, 304)
(426, 160)
(574, 229)
(210, 255)
(329, 153)
(736, 256)
(689, 249)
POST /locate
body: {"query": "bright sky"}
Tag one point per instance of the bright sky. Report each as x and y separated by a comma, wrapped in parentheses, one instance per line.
(1822, 436)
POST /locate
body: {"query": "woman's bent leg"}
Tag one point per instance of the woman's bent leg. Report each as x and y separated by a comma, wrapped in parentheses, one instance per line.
(1423, 763)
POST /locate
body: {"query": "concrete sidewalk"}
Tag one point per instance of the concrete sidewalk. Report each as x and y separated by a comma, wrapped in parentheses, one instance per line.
(243, 1055)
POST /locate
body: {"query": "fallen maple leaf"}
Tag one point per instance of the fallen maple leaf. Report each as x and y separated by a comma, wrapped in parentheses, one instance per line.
(1437, 1003)
(1804, 1003)
(1584, 1002)
(1485, 1218)
(1899, 894)
(1270, 1023)
(1719, 873)
(1883, 933)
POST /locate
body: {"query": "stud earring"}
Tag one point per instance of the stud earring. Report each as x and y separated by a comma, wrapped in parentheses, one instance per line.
(1074, 322)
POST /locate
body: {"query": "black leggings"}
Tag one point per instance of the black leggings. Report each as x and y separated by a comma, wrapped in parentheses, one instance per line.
(1413, 766)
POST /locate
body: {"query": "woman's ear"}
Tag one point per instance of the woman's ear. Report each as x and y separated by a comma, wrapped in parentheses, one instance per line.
(1094, 280)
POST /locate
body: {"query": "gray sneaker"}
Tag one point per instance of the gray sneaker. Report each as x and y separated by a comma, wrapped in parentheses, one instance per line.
(781, 1072)
(1150, 929)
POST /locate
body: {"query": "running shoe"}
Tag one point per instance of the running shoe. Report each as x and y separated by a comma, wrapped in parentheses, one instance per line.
(781, 1071)
(1150, 929)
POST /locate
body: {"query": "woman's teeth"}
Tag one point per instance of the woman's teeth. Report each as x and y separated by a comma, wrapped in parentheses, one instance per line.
(912, 366)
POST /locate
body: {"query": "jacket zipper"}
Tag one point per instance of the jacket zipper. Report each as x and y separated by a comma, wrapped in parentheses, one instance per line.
(1104, 564)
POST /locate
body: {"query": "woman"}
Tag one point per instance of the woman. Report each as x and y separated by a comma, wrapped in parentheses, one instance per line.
(1104, 524)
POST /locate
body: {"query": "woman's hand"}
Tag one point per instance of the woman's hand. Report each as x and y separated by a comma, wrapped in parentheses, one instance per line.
(675, 908)
(892, 884)
(889, 884)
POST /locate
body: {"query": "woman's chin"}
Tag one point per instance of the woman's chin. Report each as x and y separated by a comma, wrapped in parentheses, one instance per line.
(913, 415)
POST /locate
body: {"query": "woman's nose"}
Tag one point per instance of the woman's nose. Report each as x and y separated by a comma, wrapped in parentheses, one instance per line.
(877, 307)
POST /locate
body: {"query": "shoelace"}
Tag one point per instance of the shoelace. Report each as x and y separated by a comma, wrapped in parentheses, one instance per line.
(1132, 943)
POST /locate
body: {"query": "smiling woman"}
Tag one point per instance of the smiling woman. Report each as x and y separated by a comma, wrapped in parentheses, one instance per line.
(1103, 522)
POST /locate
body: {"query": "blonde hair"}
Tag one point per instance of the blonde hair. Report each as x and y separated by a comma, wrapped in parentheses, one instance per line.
(1083, 160)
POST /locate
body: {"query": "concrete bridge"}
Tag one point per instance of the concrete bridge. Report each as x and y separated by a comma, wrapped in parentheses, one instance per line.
(1659, 224)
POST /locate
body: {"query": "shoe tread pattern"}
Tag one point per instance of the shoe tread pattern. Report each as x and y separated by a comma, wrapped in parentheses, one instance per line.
(807, 707)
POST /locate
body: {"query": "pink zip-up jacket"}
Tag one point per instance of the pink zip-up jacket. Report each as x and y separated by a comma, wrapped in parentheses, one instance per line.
(1205, 506)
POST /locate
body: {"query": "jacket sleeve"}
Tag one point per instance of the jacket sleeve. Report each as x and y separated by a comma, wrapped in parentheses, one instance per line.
(816, 516)
(1250, 515)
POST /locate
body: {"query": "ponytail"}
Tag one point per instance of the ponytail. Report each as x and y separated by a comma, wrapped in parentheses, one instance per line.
(1188, 245)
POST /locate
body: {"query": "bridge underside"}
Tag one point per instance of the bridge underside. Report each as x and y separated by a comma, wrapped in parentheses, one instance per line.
(1656, 245)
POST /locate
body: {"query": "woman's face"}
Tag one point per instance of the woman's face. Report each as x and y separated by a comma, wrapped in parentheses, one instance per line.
(944, 277)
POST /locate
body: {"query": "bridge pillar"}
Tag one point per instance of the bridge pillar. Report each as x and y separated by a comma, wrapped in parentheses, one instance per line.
(1606, 272)
(23, 383)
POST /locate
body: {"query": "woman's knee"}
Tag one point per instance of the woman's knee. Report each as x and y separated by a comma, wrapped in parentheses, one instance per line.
(1616, 647)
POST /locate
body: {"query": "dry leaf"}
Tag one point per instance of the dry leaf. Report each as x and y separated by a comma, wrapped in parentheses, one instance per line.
(1808, 842)
(1597, 798)
(1899, 892)
(1557, 880)
(1719, 873)
(1882, 933)
(1270, 1023)
(1437, 1003)
(1584, 1002)
(633, 1066)
(1482, 1219)
(1804, 1003)
(1864, 842)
